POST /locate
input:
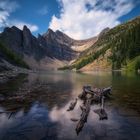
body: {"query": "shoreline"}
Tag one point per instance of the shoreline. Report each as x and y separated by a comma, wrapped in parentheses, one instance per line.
(8, 75)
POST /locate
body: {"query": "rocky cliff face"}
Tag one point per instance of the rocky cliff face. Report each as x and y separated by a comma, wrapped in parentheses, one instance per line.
(21, 42)
(12, 38)
(64, 47)
(58, 45)
(44, 50)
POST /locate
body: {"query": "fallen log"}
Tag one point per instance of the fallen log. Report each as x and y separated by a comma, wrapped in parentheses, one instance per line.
(79, 126)
(101, 112)
(74, 119)
(84, 115)
(86, 90)
(72, 105)
(89, 96)
(95, 92)
(106, 91)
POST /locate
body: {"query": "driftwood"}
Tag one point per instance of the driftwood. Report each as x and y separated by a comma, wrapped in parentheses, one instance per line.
(74, 119)
(86, 90)
(101, 112)
(72, 105)
(84, 115)
(89, 96)
(79, 126)
(95, 93)
(86, 110)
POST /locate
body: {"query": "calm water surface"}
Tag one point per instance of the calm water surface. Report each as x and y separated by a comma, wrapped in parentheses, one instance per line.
(43, 115)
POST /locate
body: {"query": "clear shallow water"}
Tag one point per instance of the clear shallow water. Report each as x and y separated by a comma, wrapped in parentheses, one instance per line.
(43, 115)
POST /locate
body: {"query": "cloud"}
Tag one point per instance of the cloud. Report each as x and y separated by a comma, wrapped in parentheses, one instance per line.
(6, 8)
(9, 6)
(43, 11)
(82, 19)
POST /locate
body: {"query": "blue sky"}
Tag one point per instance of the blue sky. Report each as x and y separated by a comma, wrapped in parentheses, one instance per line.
(38, 12)
(78, 18)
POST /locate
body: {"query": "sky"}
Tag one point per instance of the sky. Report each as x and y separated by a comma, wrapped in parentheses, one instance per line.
(80, 19)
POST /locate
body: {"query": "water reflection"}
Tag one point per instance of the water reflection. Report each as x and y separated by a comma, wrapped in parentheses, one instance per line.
(43, 115)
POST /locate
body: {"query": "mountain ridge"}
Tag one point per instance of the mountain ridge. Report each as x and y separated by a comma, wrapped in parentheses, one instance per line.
(112, 49)
(46, 49)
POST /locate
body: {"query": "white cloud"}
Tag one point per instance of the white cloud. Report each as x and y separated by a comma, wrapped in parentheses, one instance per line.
(43, 11)
(6, 8)
(82, 19)
(9, 6)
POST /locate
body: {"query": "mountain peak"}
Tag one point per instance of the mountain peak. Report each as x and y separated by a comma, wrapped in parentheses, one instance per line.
(50, 31)
(11, 29)
(26, 31)
(58, 32)
(25, 28)
(15, 28)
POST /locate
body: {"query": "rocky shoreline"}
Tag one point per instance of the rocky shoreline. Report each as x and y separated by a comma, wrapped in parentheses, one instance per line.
(9, 71)
(7, 75)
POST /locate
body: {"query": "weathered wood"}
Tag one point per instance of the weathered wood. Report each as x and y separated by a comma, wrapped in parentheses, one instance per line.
(79, 126)
(101, 112)
(86, 90)
(95, 92)
(89, 96)
(82, 95)
(106, 91)
(84, 115)
(74, 119)
(72, 105)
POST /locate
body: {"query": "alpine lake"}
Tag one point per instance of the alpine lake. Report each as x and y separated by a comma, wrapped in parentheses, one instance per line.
(35, 107)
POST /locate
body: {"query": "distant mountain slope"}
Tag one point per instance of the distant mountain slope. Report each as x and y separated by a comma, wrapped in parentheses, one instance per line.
(114, 49)
(63, 47)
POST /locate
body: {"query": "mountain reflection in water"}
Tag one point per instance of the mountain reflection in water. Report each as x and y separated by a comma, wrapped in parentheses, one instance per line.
(43, 115)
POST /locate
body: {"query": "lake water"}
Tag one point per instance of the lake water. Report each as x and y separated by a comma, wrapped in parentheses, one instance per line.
(42, 114)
